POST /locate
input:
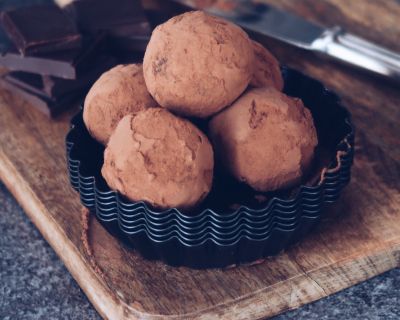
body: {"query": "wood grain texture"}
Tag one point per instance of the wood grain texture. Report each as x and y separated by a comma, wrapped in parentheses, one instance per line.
(358, 238)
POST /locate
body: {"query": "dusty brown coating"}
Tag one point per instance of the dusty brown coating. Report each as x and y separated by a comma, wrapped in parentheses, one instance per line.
(118, 92)
(196, 64)
(159, 158)
(267, 72)
(265, 139)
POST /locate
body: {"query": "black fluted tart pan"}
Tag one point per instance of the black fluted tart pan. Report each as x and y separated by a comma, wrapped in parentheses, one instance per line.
(234, 224)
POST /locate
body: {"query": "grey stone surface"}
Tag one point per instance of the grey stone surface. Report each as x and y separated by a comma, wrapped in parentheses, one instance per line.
(34, 284)
(375, 299)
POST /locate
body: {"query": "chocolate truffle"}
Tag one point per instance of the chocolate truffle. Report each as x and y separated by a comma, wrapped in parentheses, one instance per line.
(159, 158)
(267, 72)
(118, 92)
(197, 64)
(265, 139)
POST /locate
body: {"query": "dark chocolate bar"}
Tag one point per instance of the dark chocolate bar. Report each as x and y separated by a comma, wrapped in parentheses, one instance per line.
(129, 44)
(129, 38)
(62, 64)
(55, 87)
(4, 42)
(50, 107)
(123, 21)
(140, 29)
(27, 81)
(52, 87)
(92, 15)
(40, 29)
(7, 5)
(67, 64)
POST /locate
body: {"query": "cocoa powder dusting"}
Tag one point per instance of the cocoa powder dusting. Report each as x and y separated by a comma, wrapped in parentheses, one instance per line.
(269, 116)
(118, 92)
(267, 71)
(160, 158)
(209, 60)
(256, 118)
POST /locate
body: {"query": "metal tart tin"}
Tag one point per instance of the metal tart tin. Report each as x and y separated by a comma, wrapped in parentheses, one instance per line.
(221, 233)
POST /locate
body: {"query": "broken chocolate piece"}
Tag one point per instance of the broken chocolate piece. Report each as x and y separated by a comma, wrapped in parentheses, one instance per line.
(67, 64)
(55, 87)
(27, 81)
(4, 42)
(63, 64)
(92, 16)
(40, 29)
(140, 30)
(129, 44)
(123, 22)
(52, 87)
(50, 107)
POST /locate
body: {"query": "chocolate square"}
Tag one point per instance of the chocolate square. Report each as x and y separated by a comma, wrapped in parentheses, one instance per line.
(68, 64)
(93, 16)
(27, 81)
(53, 87)
(40, 29)
(139, 29)
(50, 107)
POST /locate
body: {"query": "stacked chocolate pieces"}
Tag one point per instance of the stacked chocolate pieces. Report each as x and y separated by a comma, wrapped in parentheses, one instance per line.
(54, 55)
(123, 21)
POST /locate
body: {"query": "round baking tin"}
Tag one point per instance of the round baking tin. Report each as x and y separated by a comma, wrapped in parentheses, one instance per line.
(217, 238)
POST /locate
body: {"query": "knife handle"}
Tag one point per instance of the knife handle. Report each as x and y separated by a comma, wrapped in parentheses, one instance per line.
(359, 52)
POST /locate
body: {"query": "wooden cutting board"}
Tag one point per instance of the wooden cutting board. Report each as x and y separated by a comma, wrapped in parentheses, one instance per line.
(358, 239)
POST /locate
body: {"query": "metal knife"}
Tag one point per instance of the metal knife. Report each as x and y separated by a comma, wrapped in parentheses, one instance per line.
(335, 42)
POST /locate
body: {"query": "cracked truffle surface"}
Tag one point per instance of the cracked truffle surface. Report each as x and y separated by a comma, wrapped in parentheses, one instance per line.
(118, 92)
(267, 72)
(159, 158)
(196, 64)
(265, 139)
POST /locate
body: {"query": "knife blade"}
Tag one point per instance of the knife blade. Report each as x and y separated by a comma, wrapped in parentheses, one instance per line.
(264, 19)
